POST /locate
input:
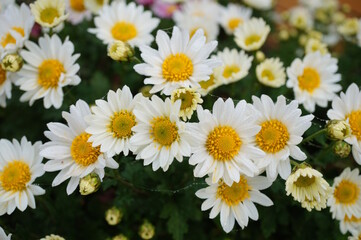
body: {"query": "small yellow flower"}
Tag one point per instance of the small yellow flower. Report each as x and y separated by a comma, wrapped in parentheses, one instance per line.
(120, 51)
(146, 230)
(113, 216)
(89, 184)
(12, 63)
(314, 45)
(49, 13)
(338, 129)
(190, 98)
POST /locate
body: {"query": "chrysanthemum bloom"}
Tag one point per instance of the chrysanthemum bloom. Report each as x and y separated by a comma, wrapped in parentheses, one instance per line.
(301, 18)
(50, 67)
(129, 23)
(348, 107)
(223, 142)
(350, 224)
(282, 128)
(5, 86)
(307, 186)
(235, 202)
(111, 122)
(260, 4)
(314, 80)
(190, 99)
(271, 73)
(77, 11)
(314, 45)
(49, 13)
(15, 29)
(20, 165)
(159, 135)
(3, 235)
(95, 5)
(179, 61)
(70, 151)
(235, 66)
(346, 197)
(252, 34)
(234, 16)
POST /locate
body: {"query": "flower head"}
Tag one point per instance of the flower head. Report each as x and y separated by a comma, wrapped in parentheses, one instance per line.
(49, 13)
(271, 72)
(252, 34)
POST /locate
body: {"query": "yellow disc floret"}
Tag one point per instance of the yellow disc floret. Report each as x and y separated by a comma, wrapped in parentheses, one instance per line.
(15, 176)
(82, 151)
(355, 123)
(163, 131)
(254, 38)
(77, 5)
(124, 31)
(48, 14)
(177, 67)
(233, 195)
(346, 192)
(233, 23)
(309, 80)
(230, 70)
(2, 75)
(9, 39)
(49, 73)
(273, 136)
(121, 124)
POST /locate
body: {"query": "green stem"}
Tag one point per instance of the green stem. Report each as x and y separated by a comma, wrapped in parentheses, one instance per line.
(309, 138)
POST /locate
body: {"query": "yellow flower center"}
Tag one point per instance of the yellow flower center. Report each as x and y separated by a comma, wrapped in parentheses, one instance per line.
(233, 195)
(273, 136)
(223, 143)
(305, 181)
(194, 30)
(124, 31)
(346, 192)
(353, 219)
(163, 131)
(100, 2)
(9, 39)
(170, 9)
(49, 73)
(266, 73)
(208, 83)
(15, 176)
(2, 75)
(355, 123)
(254, 38)
(233, 23)
(82, 151)
(121, 124)
(48, 15)
(177, 67)
(230, 70)
(186, 98)
(309, 80)
(77, 5)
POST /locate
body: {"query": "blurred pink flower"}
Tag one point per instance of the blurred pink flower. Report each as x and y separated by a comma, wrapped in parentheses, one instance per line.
(163, 9)
(145, 2)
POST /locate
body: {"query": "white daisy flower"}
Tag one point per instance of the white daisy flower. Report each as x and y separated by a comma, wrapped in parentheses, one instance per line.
(235, 202)
(191, 25)
(5, 86)
(271, 73)
(223, 142)
(314, 80)
(301, 18)
(346, 197)
(50, 67)
(190, 98)
(235, 66)
(179, 61)
(350, 224)
(207, 86)
(159, 135)
(314, 45)
(307, 186)
(282, 128)
(260, 4)
(252, 34)
(70, 151)
(95, 5)
(348, 107)
(49, 13)
(15, 28)
(234, 16)
(6, 3)
(77, 11)
(20, 165)
(3, 235)
(124, 22)
(111, 122)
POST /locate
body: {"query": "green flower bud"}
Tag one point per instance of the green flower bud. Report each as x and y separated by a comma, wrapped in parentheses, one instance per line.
(342, 149)
(12, 62)
(338, 129)
(89, 184)
(120, 51)
(113, 216)
(146, 230)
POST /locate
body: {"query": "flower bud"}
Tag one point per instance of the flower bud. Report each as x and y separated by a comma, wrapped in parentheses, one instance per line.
(52, 237)
(284, 35)
(146, 230)
(120, 237)
(145, 90)
(89, 184)
(120, 51)
(260, 56)
(342, 149)
(338, 129)
(12, 62)
(113, 216)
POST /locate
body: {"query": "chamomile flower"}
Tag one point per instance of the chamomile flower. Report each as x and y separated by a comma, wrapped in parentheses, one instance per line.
(128, 23)
(3, 235)
(235, 202)
(252, 34)
(348, 107)
(271, 73)
(15, 28)
(77, 11)
(179, 61)
(95, 5)
(350, 224)
(159, 135)
(223, 142)
(190, 99)
(301, 18)
(70, 151)
(49, 13)
(282, 127)
(5, 86)
(235, 65)
(50, 67)
(234, 16)
(111, 122)
(346, 197)
(20, 165)
(314, 45)
(314, 80)
(307, 186)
